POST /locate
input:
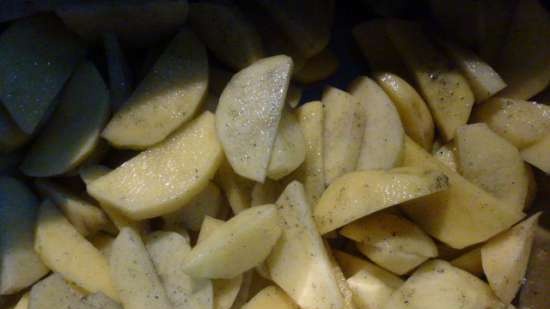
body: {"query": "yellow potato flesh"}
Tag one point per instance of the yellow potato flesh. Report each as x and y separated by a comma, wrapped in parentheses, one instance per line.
(538, 154)
(237, 189)
(271, 297)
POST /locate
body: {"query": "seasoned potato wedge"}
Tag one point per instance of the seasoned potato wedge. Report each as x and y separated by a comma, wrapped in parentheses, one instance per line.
(237, 189)
(11, 137)
(470, 262)
(208, 226)
(358, 194)
(351, 265)
(369, 290)
(121, 80)
(272, 297)
(248, 114)
(343, 286)
(54, 292)
(183, 164)
(382, 143)
(166, 98)
(100, 301)
(538, 154)
(317, 68)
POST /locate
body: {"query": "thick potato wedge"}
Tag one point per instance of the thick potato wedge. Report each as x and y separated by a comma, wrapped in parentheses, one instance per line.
(73, 130)
(11, 137)
(20, 266)
(167, 97)
(271, 297)
(35, 50)
(343, 129)
(54, 292)
(358, 194)
(524, 63)
(237, 189)
(522, 123)
(413, 111)
(538, 154)
(85, 266)
(248, 114)
(137, 23)
(182, 165)
(266, 193)
(391, 241)
(227, 33)
(470, 262)
(289, 150)
(447, 154)
(238, 245)
(369, 290)
(505, 258)
(438, 284)
(121, 80)
(382, 143)
(317, 68)
(460, 216)
(444, 88)
(299, 262)
(134, 274)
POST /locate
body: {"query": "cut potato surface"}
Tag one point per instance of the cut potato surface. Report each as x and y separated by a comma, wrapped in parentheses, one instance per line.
(370, 291)
(358, 194)
(237, 189)
(54, 292)
(11, 137)
(271, 297)
(37, 56)
(165, 177)
(538, 154)
(248, 114)
(317, 68)
(382, 143)
(447, 154)
(166, 98)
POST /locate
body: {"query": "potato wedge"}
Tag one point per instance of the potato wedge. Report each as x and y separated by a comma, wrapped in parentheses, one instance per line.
(135, 278)
(266, 193)
(248, 115)
(445, 89)
(208, 226)
(369, 290)
(166, 98)
(344, 126)
(85, 266)
(382, 143)
(100, 301)
(343, 286)
(237, 246)
(358, 194)
(413, 111)
(272, 297)
(20, 266)
(351, 265)
(470, 262)
(121, 80)
(505, 257)
(11, 137)
(182, 165)
(35, 50)
(447, 154)
(522, 123)
(289, 150)
(524, 63)
(438, 284)
(318, 67)
(227, 33)
(237, 189)
(103, 243)
(460, 216)
(299, 262)
(538, 154)
(492, 163)
(54, 292)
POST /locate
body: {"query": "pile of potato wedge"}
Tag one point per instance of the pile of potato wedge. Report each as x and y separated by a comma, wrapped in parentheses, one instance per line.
(164, 155)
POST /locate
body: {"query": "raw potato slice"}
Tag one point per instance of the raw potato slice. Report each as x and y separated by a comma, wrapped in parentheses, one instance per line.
(370, 290)
(266, 193)
(524, 63)
(344, 126)
(444, 88)
(72, 133)
(352, 265)
(41, 53)
(289, 150)
(237, 246)
(506, 256)
(20, 266)
(166, 98)
(168, 251)
(492, 163)
(391, 241)
(248, 114)
(227, 33)
(522, 123)
(437, 284)
(136, 23)
(121, 81)
(538, 154)
(484, 81)
(460, 216)
(359, 194)
(11, 137)
(85, 265)
(54, 292)
(270, 297)
(470, 262)
(237, 189)
(312, 172)
(413, 111)
(318, 67)
(165, 177)
(447, 154)
(382, 143)
(299, 262)
(134, 275)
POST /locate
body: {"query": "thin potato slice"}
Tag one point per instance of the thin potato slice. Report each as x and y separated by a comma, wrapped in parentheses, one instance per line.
(318, 67)
(121, 81)
(248, 114)
(237, 189)
(165, 177)
(538, 154)
(166, 98)
(444, 88)
(11, 137)
(415, 115)
(382, 143)
(85, 265)
(270, 297)
(470, 262)
(134, 274)
(460, 216)
(358, 194)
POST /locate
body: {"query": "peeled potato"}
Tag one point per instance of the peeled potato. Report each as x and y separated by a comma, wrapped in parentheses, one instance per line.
(343, 285)
(11, 137)
(317, 68)
(271, 297)
(538, 154)
(54, 292)
(369, 290)
(237, 189)
(248, 115)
